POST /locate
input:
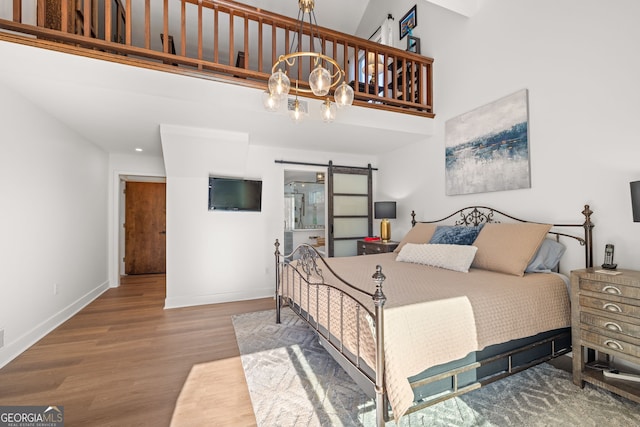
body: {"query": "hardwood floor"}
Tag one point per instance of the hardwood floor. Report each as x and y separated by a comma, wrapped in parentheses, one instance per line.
(123, 361)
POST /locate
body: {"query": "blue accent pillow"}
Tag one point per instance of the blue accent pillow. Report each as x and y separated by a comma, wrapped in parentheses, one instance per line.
(547, 257)
(455, 234)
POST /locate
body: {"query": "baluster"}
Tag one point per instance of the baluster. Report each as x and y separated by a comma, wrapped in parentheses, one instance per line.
(215, 34)
(64, 21)
(108, 30)
(260, 65)
(87, 13)
(183, 28)
(245, 65)
(231, 40)
(200, 34)
(17, 10)
(165, 26)
(147, 24)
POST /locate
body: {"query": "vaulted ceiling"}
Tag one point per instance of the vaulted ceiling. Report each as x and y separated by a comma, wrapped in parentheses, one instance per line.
(121, 107)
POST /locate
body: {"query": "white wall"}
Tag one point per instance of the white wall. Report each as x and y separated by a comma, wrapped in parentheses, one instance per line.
(53, 204)
(225, 256)
(577, 59)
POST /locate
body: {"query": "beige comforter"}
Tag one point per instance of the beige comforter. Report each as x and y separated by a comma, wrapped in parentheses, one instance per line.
(433, 315)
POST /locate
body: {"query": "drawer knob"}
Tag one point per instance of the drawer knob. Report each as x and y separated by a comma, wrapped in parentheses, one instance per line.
(611, 290)
(612, 326)
(614, 344)
(612, 307)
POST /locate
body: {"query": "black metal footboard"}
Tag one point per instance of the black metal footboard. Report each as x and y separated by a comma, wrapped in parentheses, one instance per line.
(300, 285)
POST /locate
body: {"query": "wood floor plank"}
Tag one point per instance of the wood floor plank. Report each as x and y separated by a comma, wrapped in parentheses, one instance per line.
(125, 361)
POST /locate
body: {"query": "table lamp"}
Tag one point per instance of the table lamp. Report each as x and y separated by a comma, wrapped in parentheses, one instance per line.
(376, 67)
(385, 211)
(635, 200)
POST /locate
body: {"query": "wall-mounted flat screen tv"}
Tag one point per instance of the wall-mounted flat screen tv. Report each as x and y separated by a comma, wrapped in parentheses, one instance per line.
(230, 194)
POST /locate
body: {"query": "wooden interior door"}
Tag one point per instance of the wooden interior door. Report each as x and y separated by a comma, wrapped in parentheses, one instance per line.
(145, 232)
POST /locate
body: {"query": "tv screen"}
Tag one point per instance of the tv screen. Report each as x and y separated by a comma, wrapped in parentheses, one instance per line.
(229, 194)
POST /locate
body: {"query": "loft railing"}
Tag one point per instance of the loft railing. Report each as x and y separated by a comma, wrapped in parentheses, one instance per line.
(218, 39)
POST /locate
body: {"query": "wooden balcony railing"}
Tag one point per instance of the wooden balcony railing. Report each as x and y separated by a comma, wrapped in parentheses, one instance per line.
(220, 40)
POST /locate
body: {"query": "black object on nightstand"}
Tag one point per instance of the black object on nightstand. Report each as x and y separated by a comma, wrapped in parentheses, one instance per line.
(376, 247)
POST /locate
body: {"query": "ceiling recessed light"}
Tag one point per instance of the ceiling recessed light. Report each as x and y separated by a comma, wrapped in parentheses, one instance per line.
(138, 149)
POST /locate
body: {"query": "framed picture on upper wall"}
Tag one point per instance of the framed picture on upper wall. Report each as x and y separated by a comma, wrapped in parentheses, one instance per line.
(408, 22)
(487, 149)
(413, 44)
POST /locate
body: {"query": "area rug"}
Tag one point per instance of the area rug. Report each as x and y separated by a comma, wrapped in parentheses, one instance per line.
(293, 381)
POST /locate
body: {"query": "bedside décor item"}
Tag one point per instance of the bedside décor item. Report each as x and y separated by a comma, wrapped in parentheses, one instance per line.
(608, 258)
(487, 149)
(408, 22)
(635, 200)
(385, 211)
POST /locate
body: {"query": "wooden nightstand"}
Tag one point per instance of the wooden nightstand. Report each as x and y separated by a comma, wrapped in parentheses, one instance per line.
(605, 317)
(376, 247)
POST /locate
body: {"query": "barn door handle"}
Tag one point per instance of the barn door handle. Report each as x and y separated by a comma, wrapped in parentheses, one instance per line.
(163, 232)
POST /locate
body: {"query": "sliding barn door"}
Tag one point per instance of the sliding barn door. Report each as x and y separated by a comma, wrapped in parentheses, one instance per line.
(349, 208)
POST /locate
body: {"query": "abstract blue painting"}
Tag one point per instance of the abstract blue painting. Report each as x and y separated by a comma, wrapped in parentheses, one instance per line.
(487, 149)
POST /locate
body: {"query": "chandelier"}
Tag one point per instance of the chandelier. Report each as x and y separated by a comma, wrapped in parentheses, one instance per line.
(325, 76)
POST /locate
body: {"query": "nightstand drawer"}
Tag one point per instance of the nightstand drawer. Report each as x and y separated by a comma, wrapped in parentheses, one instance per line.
(610, 343)
(365, 249)
(609, 324)
(610, 306)
(613, 289)
(375, 247)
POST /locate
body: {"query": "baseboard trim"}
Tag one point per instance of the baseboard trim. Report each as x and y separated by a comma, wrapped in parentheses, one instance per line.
(18, 346)
(189, 301)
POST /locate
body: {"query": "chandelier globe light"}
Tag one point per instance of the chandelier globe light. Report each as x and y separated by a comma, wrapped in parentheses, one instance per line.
(279, 85)
(327, 74)
(271, 103)
(320, 81)
(296, 113)
(344, 95)
(328, 110)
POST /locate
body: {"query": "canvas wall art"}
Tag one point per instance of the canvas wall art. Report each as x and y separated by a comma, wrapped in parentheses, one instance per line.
(487, 149)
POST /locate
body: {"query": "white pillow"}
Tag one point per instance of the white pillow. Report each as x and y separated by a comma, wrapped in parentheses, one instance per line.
(451, 257)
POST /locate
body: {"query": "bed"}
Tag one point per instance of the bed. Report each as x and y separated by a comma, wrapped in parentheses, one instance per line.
(450, 310)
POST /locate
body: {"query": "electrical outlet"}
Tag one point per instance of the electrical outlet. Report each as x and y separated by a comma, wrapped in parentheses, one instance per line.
(1, 338)
(55, 289)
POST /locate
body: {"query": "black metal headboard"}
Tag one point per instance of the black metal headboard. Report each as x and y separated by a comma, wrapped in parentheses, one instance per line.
(476, 215)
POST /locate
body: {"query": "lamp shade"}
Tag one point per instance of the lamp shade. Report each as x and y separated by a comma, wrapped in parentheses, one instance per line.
(635, 200)
(385, 210)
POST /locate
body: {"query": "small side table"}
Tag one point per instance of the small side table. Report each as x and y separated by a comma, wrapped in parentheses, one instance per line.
(376, 247)
(605, 317)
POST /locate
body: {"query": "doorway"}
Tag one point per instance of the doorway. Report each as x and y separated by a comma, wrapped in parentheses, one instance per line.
(304, 209)
(143, 231)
